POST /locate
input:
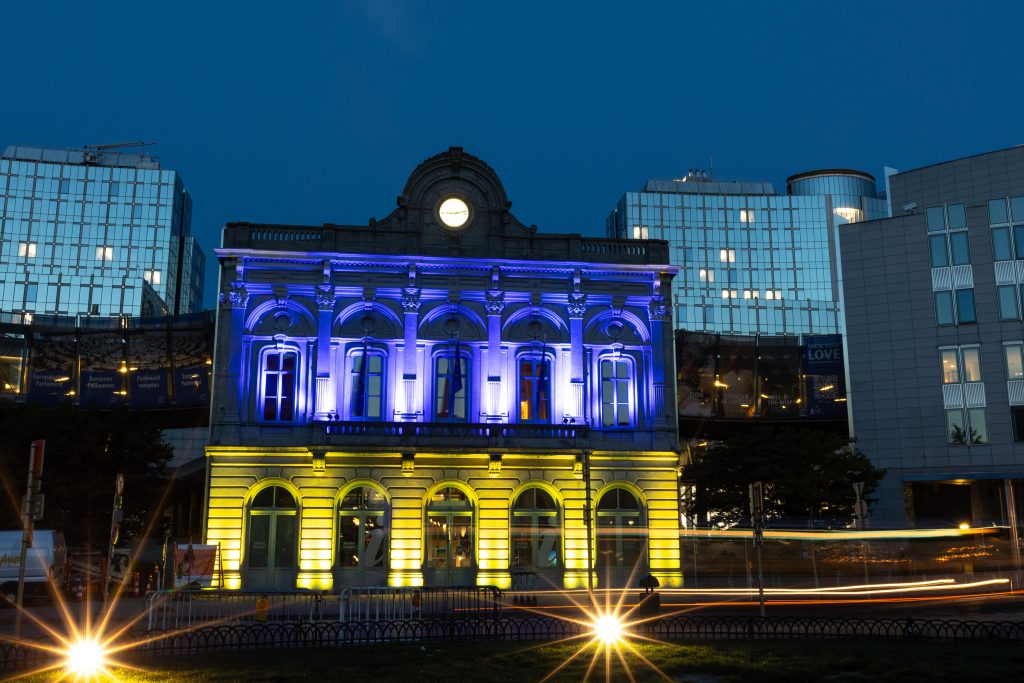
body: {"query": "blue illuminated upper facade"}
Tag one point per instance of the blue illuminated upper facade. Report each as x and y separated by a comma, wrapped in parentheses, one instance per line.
(752, 261)
(472, 328)
(95, 232)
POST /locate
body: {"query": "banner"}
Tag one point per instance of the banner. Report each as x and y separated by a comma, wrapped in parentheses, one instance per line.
(12, 365)
(695, 372)
(191, 353)
(779, 371)
(192, 385)
(149, 365)
(51, 366)
(825, 384)
(101, 355)
(737, 363)
(194, 564)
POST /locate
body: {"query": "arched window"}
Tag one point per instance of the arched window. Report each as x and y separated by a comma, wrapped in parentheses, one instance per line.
(621, 535)
(450, 547)
(279, 374)
(616, 392)
(536, 531)
(271, 554)
(452, 386)
(367, 384)
(363, 529)
(535, 387)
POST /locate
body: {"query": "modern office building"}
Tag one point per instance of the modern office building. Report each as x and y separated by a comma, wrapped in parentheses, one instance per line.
(442, 397)
(95, 232)
(752, 261)
(936, 343)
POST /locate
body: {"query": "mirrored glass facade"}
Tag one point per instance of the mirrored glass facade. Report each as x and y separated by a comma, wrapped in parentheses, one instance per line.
(752, 261)
(95, 232)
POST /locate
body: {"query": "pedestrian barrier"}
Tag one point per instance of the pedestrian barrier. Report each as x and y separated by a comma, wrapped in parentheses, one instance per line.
(175, 609)
(387, 603)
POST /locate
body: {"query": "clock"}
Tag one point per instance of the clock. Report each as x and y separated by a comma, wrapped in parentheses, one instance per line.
(453, 212)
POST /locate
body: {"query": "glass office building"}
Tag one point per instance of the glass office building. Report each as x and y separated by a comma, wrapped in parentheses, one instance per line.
(752, 261)
(95, 232)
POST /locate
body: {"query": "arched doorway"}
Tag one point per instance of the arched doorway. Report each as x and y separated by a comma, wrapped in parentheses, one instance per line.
(271, 557)
(621, 538)
(363, 538)
(450, 558)
(536, 540)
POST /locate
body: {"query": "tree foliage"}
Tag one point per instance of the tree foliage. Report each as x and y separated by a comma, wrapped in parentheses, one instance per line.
(808, 476)
(85, 450)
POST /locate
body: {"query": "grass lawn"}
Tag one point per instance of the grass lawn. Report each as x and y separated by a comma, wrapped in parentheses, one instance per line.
(703, 662)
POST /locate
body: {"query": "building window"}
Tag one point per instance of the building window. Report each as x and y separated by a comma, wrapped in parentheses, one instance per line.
(1014, 354)
(956, 217)
(272, 535)
(1017, 418)
(640, 232)
(747, 215)
(65, 186)
(727, 255)
(363, 529)
(997, 212)
(536, 531)
(1007, 295)
(27, 249)
(966, 427)
(451, 386)
(950, 366)
(1002, 250)
(936, 219)
(1018, 241)
(615, 393)
(706, 275)
(965, 306)
(940, 256)
(449, 535)
(534, 388)
(368, 384)
(104, 253)
(620, 534)
(278, 379)
(959, 249)
(944, 308)
(960, 364)
(152, 277)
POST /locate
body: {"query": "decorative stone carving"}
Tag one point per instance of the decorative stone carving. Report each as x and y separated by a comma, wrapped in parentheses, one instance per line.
(324, 296)
(577, 305)
(495, 303)
(234, 296)
(659, 310)
(411, 300)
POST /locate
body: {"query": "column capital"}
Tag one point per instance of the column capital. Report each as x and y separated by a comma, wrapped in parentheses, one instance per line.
(495, 303)
(577, 305)
(324, 296)
(234, 296)
(411, 299)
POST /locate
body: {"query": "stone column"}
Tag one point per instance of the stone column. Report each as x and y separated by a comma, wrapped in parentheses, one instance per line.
(326, 396)
(662, 403)
(408, 399)
(494, 407)
(228, 361)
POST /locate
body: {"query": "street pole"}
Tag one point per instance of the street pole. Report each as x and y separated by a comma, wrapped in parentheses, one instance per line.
(31, 510)
(116, 515)
(587, 517)
(757, 521)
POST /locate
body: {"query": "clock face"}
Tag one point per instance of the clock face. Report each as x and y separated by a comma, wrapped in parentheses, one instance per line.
(454, 212)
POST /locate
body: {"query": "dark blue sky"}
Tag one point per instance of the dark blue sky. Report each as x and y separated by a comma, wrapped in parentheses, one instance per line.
(316, 112)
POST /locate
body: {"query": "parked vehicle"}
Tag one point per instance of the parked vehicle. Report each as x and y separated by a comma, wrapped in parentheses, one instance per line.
(45, 561)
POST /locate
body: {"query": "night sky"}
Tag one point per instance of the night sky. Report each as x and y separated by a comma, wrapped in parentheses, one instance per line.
(309, 112)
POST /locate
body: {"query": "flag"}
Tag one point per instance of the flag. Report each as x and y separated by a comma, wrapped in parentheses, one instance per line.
(543, 383)
(359, 402)
(456, 374)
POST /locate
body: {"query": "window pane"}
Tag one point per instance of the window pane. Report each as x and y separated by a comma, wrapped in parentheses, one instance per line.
(936, 221)
(1017, 209)
(944, 308)
(956, 434)
(997, 211)
(259, 541)
(1018, 241)
(965, 306)
(958, 245)
(282, 498)
(284, 542)
(978, 428)
(1001, 244)
(937, 243)
(265, 498)
(950, 373)
(972, 365)
(957, 217)
(1017, 417)
(1014, 361)
(1007, 302)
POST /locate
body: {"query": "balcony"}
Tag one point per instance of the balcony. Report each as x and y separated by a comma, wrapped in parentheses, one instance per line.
(477, 435)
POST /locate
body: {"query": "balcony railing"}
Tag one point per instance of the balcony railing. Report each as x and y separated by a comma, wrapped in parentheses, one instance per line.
(457, 430)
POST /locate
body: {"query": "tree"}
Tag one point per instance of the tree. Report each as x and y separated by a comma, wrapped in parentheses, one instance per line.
(807, 474)
(85, 450)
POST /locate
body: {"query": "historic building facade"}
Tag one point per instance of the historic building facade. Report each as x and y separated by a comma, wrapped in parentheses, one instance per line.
(424, 400)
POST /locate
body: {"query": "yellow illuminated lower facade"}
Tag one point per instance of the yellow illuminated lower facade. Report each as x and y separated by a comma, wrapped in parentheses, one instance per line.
(287, 518)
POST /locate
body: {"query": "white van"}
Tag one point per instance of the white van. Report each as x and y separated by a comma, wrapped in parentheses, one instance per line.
(44, 561)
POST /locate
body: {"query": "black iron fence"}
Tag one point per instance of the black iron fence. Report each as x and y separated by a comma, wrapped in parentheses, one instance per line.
(677, 628)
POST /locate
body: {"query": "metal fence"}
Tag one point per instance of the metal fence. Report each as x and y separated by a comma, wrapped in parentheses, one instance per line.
(299, 634)
(391, 603)
(168, 610)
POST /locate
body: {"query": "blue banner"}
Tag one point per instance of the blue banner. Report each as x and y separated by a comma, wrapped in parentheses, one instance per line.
(149, 389)
(100, 388)
(49, 387)
(825, 387)
(192, 385)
